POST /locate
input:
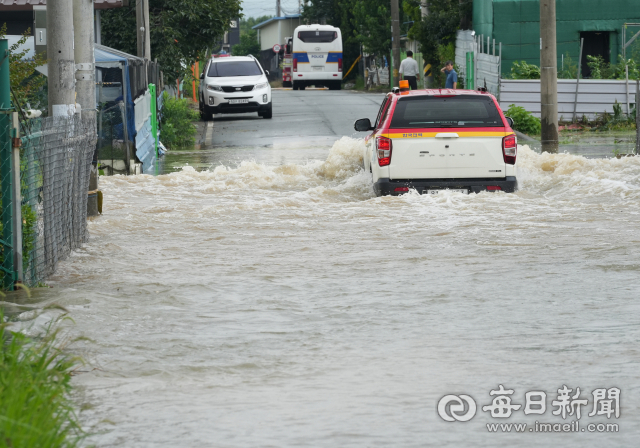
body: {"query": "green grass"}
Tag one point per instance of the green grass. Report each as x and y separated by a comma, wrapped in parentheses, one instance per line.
(178, 130)
(35, 407)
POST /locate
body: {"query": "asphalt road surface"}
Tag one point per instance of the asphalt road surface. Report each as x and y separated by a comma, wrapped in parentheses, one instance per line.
(317, 114)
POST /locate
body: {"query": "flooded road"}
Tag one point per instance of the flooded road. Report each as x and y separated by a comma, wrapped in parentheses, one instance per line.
(265, 297)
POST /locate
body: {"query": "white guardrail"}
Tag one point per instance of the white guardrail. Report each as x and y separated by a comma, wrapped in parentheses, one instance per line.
(594, 96)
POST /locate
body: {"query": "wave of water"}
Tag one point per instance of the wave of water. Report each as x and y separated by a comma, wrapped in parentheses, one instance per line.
(561, 175)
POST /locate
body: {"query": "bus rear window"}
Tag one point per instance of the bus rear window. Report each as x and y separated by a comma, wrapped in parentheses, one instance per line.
(317, 36)
(441, 112)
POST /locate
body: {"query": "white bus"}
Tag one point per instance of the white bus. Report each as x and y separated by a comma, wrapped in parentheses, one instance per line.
(317, 57)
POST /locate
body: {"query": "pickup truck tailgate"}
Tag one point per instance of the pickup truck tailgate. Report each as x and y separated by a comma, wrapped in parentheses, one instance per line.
(446, 155)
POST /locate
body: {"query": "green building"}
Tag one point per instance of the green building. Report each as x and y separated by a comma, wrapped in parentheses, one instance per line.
(516, 23)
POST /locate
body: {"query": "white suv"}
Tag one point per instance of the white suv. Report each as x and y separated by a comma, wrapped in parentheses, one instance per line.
(234, 84)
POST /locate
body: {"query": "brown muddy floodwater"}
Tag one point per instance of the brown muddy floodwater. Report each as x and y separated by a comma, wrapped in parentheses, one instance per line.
(267, 298)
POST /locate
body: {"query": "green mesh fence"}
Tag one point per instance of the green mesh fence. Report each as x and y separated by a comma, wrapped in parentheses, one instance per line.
(632, 50)
(55, 162)
(7, 270)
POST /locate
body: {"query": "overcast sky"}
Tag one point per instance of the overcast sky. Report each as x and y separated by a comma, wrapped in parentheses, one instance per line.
(257, 8)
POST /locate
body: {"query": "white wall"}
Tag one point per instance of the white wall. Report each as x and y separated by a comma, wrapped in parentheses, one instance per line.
(594, 97)
(276, 31)
(269, 35)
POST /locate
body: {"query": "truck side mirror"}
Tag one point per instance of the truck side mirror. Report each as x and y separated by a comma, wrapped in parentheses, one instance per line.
(362, 125)
(510, 121)
(201, 75)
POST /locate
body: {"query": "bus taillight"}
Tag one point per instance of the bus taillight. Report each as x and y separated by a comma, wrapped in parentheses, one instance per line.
(295, 64)
(339, 64)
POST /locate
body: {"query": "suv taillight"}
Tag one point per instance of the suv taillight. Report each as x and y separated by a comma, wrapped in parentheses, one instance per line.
(510, 149)
(383, 146)
(295, 64)
(339, 64)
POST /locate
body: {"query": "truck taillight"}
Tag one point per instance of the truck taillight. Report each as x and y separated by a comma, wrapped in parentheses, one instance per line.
(510, 149)
(295, 64)
(383, 146)
(339, 64)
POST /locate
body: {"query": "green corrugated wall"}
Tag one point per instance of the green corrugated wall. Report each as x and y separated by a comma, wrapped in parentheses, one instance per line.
(516, 23)
(483, 17)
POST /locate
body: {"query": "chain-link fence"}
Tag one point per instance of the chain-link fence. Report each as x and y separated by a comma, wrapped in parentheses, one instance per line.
(55, 161)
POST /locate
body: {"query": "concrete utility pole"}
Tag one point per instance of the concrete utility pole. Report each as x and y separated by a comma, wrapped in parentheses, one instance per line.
(637, 117)
(427, 80)
(61, 65)
(83, 37)
(142, 25)
(424, 8)
(548, 76)
(395, 42)
(278, 9)
(84, 57)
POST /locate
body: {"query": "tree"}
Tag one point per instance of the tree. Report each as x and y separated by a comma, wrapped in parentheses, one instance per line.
(26, 83)
(180, 31)
(437, 32)
(248, 45)
(372, 20)
(250, 22)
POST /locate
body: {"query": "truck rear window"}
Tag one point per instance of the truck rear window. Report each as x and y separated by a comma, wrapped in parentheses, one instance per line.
(448, 111)
(235, 68)
(317, 36)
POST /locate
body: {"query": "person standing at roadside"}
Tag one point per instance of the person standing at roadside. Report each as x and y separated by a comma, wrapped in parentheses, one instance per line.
(452, 76)
(410, 71)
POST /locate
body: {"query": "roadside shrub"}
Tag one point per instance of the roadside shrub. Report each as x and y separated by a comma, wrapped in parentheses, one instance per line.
(605, 70)
(523, 121)
(35, 381)
(618, 122)
(522, 70)
(178, 130)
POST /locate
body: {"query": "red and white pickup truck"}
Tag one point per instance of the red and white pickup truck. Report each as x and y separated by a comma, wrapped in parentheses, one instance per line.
(435, 140)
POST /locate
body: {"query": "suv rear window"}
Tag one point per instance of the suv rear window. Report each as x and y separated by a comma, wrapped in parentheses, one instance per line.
(317, 36)
(446, 111)
(235, 68)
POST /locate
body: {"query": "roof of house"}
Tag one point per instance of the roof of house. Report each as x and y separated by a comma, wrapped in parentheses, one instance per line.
(27, 5)
(273, 19)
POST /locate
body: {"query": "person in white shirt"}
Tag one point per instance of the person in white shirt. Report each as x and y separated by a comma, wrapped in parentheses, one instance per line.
(410, 71)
